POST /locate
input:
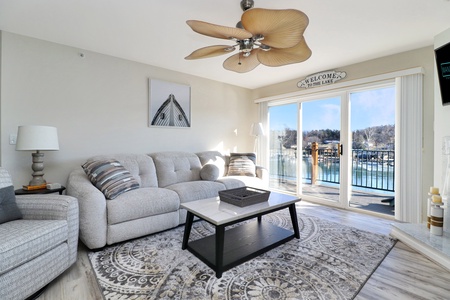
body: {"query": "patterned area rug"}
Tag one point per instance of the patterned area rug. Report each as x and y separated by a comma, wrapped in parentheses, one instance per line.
(330, 261)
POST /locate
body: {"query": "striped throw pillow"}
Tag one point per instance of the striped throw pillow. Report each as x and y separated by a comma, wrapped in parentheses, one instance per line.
(110, 177)
(242, 165)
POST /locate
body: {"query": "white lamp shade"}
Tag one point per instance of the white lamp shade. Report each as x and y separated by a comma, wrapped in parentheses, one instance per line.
(257, 129)
(34, 137)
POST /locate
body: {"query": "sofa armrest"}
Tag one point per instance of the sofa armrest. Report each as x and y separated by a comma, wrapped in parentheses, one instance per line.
(92, 203)
(53, 207)
(262, 173)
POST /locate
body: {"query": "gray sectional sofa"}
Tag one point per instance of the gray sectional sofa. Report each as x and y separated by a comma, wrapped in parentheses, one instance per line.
(151, 197)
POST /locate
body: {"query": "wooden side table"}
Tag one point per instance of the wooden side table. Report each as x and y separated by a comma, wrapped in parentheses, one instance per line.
(41, 191)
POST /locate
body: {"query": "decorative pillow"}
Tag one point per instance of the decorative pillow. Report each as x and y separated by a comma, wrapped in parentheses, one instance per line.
(110, 177)
(209, 172)
(8, 207)
(242, 164)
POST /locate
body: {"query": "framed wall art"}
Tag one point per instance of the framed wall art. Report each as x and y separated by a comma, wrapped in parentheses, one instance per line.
(169, 104)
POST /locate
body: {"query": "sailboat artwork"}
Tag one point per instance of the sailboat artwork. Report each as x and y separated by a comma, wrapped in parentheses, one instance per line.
(170, 113)
(169, 104)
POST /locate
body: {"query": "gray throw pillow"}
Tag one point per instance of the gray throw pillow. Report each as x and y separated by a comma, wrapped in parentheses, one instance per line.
(209, 172)
(8, 207)
(110, 177)
(242, 164)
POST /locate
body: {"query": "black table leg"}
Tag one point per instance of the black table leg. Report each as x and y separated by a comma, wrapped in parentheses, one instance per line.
(220, 236)
(294, 220)
(187, 229)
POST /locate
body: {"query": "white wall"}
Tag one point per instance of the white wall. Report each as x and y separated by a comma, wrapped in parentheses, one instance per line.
(442, 117)
(99, 104)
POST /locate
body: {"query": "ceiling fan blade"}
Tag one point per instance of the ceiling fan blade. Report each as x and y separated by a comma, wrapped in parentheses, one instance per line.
(280, 28)
(279, 57)
(218, 31)
(241, 64)
(210, 51)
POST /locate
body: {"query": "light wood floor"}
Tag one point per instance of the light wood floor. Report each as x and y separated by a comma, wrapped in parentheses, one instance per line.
(404, 274)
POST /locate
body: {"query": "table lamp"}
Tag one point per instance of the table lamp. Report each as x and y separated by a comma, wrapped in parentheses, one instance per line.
(37, 138)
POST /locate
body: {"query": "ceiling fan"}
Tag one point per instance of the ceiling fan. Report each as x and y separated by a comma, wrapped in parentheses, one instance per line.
(263, 36)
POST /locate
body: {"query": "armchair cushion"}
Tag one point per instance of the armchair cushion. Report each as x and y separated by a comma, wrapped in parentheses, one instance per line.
(8, 207)
(242, 164)
(23, 240)
(110, 177)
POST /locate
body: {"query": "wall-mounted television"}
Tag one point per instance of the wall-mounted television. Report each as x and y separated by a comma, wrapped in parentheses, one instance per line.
(443, 70)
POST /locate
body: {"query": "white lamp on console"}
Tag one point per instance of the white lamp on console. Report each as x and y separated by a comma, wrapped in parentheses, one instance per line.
(37, 138)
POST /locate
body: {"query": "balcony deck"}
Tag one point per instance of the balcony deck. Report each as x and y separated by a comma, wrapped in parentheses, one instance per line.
(365, 200)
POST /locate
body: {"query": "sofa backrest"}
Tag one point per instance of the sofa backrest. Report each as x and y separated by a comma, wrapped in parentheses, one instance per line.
(175, 166)
(216, 158)
(141, 166)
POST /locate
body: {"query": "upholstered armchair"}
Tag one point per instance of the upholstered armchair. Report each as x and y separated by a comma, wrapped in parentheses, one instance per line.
(38, 239)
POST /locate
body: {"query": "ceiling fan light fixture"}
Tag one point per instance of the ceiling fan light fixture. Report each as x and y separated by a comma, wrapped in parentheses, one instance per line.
(281, 30)
(264, 47)
(229, 49)
(247, 4)
(246, 45)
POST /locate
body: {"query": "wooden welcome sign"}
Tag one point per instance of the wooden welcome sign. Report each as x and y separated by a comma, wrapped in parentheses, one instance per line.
(322, 78)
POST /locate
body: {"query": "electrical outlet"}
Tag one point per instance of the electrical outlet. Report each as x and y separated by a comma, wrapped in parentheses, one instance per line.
(12, 139)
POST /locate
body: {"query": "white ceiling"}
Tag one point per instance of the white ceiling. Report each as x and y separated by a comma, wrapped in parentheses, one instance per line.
(340, 32)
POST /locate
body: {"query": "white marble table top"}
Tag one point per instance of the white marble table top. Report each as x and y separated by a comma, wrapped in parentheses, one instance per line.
(218, 212)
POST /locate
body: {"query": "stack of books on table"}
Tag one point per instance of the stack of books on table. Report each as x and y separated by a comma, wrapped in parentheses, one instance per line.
(34, 187)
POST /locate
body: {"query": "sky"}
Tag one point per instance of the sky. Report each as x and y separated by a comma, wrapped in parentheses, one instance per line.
(368, 108)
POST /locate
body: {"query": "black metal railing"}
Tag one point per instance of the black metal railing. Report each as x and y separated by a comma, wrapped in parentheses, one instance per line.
(373, 169)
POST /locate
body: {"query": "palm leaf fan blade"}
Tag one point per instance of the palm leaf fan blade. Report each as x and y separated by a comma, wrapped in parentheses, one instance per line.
(241, 64)
(280, 28)
(280, 57)
(218, 31)
(210, 51)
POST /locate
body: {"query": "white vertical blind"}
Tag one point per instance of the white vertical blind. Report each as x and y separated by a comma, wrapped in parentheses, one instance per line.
(408, 150)
(263, 145)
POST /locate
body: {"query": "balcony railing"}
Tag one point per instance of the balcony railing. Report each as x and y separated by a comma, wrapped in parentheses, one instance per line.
(373, 169)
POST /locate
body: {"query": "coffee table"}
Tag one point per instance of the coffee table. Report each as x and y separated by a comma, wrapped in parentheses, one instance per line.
(228, 248)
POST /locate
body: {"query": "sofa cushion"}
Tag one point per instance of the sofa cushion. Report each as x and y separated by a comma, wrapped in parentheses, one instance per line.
(175, 167)
(213, 157)
(23, 240)
(141, 166)
(141, 203)
(110, 177)
(196, 190)
(242, 164)
(8, 207)
(209, 172)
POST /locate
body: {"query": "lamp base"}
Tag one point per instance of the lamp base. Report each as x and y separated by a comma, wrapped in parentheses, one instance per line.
(38, 168)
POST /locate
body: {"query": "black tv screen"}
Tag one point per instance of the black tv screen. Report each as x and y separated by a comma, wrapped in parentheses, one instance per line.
(443, 69)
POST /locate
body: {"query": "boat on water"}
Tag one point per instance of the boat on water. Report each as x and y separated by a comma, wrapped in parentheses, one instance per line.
(170, 113)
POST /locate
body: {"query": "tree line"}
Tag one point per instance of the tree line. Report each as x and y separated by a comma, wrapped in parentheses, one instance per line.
(376, 137)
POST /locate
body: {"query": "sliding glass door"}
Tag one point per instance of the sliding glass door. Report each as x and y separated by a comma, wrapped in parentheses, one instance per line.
(321, 148)
(283, 120)
(373, 148)
(336, 149)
